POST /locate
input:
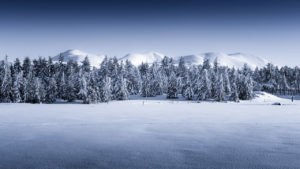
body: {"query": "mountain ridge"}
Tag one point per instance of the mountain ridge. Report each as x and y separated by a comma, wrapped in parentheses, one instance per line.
(236, 60)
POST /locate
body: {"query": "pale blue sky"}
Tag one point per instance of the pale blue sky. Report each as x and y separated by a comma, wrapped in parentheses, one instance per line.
(270, 29)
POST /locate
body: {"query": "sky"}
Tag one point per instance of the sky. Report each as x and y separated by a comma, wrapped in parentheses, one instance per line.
(264, 28)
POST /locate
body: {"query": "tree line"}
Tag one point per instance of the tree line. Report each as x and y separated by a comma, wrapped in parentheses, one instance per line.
(44, 81)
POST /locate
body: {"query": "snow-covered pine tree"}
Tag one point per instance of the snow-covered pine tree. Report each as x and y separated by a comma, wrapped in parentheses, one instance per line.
(120, 89)
(172, 87)
(220, 91)
(182, 74)
(16, 85)
(27, 67)
(245, 87)
(50, 68)
(188, 90)
(17, 66)
(105, 89)
(227, 86)
(234, 93)
(166, 72)
(51, 89)
(284, 84)
(72, 81)
(63, 87)
(6, 85)
(92, 89)
(297, 79)
(194, 75)
(146, 79)
(86, 66)
(216, 66)
(204, 86)
(34, 92)
(114, 75)
(104, 70)
(83, 91)
(206, 64)
(132, 78)
(155, 80)
(214, 82)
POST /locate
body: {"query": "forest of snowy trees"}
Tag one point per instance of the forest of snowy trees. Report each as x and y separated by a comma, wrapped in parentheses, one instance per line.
(43, 81)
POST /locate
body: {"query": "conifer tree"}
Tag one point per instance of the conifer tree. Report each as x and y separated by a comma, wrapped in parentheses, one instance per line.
(234, 93)
(227, 86)
(105, 90)
(6, 84)
(220, 92)
(121, 92)
(172, 87)
(188, 90)
(204, 86)
(16, 85)
(83, 92)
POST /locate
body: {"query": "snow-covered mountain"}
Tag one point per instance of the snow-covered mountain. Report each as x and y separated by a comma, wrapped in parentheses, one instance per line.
(236, 60)
(139, 58)
(78, 56)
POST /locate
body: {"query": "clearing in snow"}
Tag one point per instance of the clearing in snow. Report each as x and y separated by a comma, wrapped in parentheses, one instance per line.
(154, 133)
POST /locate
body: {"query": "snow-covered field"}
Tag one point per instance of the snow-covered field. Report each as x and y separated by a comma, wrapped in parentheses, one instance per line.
(156, 133)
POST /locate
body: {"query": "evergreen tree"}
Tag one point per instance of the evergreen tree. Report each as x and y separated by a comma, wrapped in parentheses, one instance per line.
(234, 93)
(121, 92)
(51, 89)
(284, 85)
(16, 86)
(83, 91)
(183, 75)
(17, 66)
(62, 87)
(220, 92)
(188, 90)
(6, 85)
(71, 89)
(204, 86)
(86, 66)
(132, 78)
(105, 90)
(227, 86)
(172, 87)
(245, 87)
(155, 80)
(92, 89)
(146, 80)
(27, 67)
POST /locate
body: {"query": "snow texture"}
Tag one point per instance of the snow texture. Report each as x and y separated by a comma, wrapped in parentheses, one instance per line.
(78, 56)
(139, 58)
(156, 133)
(236, 60)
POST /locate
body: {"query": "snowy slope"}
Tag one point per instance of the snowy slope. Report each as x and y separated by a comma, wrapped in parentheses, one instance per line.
(236, 60)
(78, 56)
(139, 58)
(267, 97)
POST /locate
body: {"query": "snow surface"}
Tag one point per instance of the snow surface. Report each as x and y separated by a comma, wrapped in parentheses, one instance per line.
(151, 133)
(139, 58)
(78, 56)
(236, 60)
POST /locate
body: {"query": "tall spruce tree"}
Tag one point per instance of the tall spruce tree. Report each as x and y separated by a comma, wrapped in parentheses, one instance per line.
(204, 86)
(172, 87)
(220, 91)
